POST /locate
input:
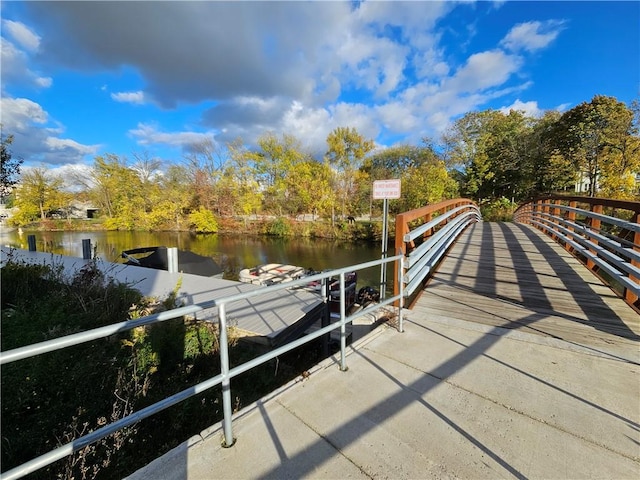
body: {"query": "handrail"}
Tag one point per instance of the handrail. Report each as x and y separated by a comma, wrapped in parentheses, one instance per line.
(226, 374)
(425, 245)
(607, 242)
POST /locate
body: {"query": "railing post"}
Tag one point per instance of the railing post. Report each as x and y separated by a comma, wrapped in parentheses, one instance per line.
(572, 218)
(343, 330)
(595, 226)
(629, 296)
(555, 212)
(401, 292)
(401, 230)
(172, 259)
(86, 249)
(226, 382)
(31, 241)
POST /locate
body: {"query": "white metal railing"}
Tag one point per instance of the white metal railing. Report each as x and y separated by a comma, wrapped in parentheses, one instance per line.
(226, 373)
(591, 235)
(448, 220)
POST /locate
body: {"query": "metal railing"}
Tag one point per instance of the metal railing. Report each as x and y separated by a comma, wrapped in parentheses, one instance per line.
(425, 245)
(226, 373)
(602, 233)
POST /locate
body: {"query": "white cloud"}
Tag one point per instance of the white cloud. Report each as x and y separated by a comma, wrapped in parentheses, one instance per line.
(532, 36)
(484, 70)
(16, 70)
(58, 144)
(530, 108)
(21, 34)
(136, 98)
(20, 113)
(36, 139)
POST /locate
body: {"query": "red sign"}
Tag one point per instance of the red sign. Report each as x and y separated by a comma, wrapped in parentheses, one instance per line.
(386, 189)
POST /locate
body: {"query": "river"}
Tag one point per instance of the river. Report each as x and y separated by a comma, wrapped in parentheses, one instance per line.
(232, 252)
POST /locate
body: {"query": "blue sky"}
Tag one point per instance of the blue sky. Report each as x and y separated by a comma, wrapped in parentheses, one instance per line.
(155, 79)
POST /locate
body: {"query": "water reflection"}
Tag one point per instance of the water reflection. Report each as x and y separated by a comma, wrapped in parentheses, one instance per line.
(232, 252)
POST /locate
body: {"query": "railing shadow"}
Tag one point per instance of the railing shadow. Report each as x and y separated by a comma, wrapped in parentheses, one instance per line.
(597, 313)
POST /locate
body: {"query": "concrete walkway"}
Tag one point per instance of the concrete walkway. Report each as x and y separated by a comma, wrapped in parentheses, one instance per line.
(441, 400)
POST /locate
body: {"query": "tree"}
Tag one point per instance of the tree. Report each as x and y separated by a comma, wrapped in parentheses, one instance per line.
(426, 183)
(39, 194)
(600, 138)
(9, 166)
(550, 171)
(205, 164)
(117, 190)
(243, 188)
(272, 163)
(346, 151)
(308, 187)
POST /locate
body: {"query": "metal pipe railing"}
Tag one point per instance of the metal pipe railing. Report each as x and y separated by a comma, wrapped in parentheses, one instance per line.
(421, 246)
(226, 374)
(593, 236)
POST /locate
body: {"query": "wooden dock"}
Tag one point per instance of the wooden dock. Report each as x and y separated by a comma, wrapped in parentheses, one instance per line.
(270, 319)
(512, 276)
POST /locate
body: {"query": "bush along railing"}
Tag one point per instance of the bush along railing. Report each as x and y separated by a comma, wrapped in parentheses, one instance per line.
(424, 235)
(602, 233)
(226, 374)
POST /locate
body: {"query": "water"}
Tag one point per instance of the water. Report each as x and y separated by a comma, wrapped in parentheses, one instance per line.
(232, 252)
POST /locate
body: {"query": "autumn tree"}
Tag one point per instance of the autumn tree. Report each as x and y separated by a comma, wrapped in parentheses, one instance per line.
(242, 186)
(272, 162)
(117, 190)
(39, 194)
(205, 163)
(346, 151)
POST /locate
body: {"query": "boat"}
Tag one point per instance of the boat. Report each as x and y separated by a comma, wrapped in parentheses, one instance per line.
(271, 273)
(188, 262)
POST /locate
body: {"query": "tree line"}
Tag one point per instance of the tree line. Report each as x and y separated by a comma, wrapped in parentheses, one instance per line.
(487, 156)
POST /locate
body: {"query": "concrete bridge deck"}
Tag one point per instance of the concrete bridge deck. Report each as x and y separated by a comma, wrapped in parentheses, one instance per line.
(486, 385)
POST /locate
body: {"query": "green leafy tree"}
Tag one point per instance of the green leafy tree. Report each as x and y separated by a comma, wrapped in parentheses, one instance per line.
(426, 183)
(551, 171)
(600, 139)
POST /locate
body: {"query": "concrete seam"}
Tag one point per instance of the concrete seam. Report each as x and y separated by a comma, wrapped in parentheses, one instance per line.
(325, 438)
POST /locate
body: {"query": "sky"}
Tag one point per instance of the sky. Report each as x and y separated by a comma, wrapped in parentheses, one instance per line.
(154, 79)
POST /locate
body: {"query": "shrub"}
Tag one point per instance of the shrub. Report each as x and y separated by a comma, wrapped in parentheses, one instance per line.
(280, 227)
(498, 210)
(203, 221)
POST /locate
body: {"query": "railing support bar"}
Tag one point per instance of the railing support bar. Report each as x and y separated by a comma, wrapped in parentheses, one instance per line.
(401, 286)
(226, 381)
(343, 328)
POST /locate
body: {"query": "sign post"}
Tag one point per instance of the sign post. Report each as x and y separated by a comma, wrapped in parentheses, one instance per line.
(384, 190)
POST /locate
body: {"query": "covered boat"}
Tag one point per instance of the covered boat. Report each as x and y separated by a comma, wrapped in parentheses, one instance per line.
(271, 273)
(188, 262)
